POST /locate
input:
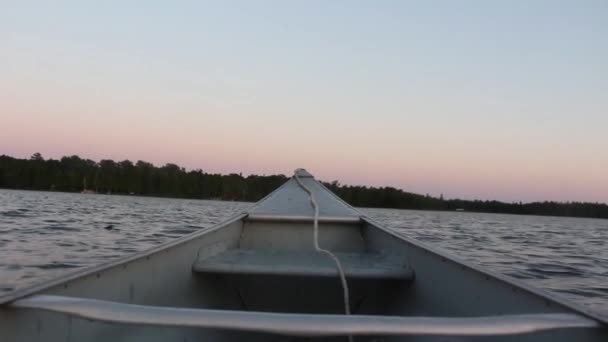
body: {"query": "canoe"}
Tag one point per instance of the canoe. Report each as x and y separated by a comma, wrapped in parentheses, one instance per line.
(270, 274)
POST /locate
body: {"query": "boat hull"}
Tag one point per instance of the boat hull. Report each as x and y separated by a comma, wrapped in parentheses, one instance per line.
(163, 277)
(264, 261)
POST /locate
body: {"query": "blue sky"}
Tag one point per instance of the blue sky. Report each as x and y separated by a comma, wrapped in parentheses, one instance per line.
(471, 98)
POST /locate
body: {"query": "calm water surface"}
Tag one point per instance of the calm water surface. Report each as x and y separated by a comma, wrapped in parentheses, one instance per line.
(45, 234)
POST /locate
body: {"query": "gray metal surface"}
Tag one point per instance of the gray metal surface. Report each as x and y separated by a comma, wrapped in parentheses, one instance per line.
(294, 219)
(304, 324)
(291, 200)
(288, 263)
(64, 281)
(298, 236)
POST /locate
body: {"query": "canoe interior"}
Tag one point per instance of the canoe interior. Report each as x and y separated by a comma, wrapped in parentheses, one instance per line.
(165, 277)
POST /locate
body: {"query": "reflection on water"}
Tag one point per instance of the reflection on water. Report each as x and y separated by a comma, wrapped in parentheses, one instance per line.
(44, 234)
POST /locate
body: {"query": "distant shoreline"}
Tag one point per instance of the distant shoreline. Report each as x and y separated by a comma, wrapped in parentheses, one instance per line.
(252, 202)
(73, 174)
(128, 195)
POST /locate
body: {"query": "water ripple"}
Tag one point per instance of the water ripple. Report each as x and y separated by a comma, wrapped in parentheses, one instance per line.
(45, 234)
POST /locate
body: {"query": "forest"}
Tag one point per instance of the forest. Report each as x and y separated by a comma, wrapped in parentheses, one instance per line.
(75, 174)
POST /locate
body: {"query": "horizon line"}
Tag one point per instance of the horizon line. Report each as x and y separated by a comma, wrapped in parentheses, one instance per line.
(287, 176)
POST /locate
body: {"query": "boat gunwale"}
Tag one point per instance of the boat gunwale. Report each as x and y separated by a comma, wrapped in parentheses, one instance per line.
(88, 271)
(304, 324)
(516, 283)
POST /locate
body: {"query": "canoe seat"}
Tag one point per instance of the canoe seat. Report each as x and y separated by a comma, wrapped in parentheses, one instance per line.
(313, 264)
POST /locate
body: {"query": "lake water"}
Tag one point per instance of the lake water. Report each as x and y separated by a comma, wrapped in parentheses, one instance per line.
(45, 234)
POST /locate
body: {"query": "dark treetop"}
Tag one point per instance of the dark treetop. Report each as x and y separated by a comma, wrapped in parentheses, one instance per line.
(75, 174)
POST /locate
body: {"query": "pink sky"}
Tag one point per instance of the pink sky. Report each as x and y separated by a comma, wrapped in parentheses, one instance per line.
(475, 168)
(462, 103)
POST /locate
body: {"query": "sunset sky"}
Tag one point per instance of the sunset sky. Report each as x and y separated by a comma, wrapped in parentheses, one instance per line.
(474, 99)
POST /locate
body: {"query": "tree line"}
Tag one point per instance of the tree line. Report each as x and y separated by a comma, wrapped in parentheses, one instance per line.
(75, 174)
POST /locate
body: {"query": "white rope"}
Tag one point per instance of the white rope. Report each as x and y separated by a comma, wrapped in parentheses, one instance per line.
(318, 248)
